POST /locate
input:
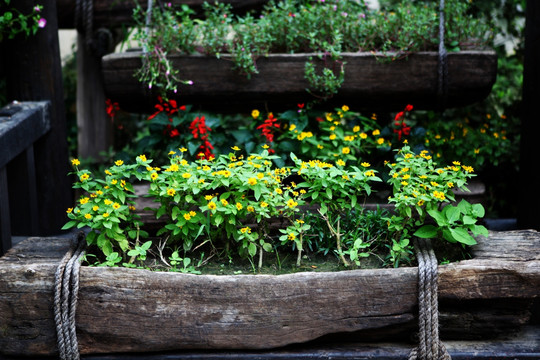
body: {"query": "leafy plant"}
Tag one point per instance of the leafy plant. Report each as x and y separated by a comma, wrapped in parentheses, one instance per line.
(327, 28)
(13, 22)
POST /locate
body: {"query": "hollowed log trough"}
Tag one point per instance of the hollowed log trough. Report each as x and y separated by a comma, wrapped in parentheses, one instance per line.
(130, 310)
(372, 81)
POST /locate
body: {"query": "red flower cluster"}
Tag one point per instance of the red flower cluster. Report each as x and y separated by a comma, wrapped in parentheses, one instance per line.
(267, 127)
(400, 124)
(169, 107)
(111, 108)
(199, 130)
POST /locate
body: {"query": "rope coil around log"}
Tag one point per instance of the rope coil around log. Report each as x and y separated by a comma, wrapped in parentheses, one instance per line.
(66, 289)
(430, 347)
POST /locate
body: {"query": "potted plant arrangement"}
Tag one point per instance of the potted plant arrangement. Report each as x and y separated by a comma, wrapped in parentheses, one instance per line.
(341, 50)
(242, 207)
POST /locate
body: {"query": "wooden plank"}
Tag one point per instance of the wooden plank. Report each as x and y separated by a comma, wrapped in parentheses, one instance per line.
(5, 219)
(95, 129)
(369, 82)
(126, 310)
(35, 74)
(22, 124)
(118, 13)
(529, 176)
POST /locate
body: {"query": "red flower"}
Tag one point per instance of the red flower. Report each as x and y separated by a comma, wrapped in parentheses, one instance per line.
(267, 127)
(174, 133)
(169, 107)
(111, 108)
(200, 130)
(400, 124)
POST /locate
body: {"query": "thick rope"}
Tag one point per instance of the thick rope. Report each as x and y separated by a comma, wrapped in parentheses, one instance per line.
(442, 89)
(66, 291)
(430, 347)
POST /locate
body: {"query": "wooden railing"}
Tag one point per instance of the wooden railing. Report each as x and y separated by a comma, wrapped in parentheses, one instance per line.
(21, 125)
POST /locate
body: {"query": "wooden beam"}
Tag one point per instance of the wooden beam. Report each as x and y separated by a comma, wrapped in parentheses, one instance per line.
(126, 310)
(35, 74)
(529, 176)
(369, 81)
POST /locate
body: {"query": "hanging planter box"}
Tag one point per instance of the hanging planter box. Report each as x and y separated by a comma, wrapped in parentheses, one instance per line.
(129, 310)
(370, 81)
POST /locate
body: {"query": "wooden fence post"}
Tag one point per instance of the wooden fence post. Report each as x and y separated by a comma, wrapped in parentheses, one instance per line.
(33, 72)
(529, 196)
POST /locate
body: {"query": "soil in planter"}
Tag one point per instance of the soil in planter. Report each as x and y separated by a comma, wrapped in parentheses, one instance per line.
(280, 261)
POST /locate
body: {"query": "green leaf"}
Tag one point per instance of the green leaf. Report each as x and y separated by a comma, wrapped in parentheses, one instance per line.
(478, 210)
(69, 225)
(451, 213)
(438, 217)
(462, 235)
(427, 232)
(354, 200)
(469, 220)
(252, 249)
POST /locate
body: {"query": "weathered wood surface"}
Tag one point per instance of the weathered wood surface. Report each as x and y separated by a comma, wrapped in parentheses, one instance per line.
(126, 310)
(280, 84)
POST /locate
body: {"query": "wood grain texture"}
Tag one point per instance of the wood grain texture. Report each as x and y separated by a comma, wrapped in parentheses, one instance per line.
(369, 82)
(126, 310)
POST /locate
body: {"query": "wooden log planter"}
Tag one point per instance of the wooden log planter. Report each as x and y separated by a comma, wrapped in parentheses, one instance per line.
(370, 82)
(130, 310)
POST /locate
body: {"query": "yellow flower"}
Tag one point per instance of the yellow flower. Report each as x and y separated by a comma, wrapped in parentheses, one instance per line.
(118, 162)
(279, 191)
(450, 184)
(84, 177)
(106, 214)
(212, 205)
(95, 208)
(255, 113)
(468, 169)
(380, 141)
(365, 164)
(107, 202)
(187, 216)
(116, 206)
(239, 206)
(186, 175)
(235, 148)
(252, 181)
(69, 210)
(88, 216)
(246, 229)
(356, 128)
(264, 147)
(340, 162)
(173, 168)
(143, 157)
(264, 204)
(154, 176)
(363, 135)
(439, 195)
(420, 202)
(250, 208)
(192, 213)
(84, 200)
(291, 203)
(345, 108)
(369, 173)
(172, 152)
(292, 127)
(260, 175)
(75, 162)
(291, 236)
(114, 182)
(332, 137)
(171, 192)
(376, 132)
(224, 202)
(208, 197)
